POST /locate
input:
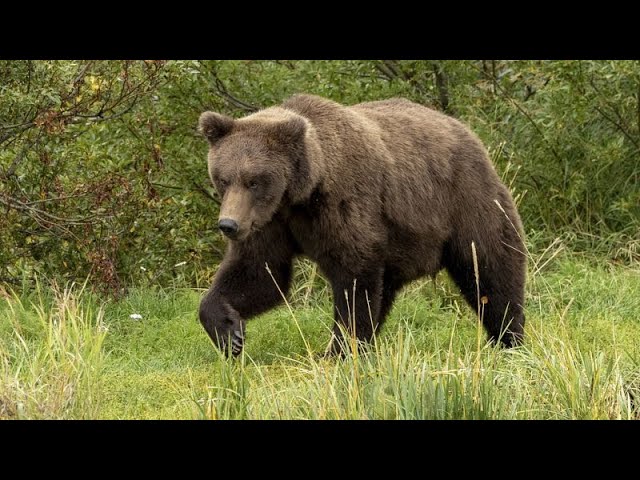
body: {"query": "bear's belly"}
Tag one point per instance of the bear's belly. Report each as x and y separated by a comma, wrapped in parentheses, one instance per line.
(337, 245)
(414, 259)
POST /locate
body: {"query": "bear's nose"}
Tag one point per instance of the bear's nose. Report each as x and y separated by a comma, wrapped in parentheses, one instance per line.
(228, 227)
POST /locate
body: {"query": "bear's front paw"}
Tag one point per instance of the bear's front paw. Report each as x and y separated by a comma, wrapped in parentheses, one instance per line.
(224, 325)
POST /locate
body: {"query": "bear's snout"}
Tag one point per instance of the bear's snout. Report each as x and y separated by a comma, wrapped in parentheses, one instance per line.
(229, 227)
(236, 213)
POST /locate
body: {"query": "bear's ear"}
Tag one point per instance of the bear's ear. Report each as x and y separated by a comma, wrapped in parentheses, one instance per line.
(214, 126)
(292, 131)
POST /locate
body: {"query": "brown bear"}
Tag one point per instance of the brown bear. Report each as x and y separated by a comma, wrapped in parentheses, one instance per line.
(378, 194)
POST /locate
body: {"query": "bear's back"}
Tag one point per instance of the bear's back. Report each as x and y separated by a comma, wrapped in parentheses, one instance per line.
(413, 158)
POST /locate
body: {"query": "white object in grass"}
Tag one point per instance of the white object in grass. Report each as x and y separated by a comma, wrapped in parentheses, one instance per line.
(135, 316)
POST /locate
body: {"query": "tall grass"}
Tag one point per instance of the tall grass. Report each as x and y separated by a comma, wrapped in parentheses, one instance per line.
(548, 379)
(51, 357)
(580, 359)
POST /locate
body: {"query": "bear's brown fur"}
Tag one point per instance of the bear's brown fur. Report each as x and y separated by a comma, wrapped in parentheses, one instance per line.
(378, 194)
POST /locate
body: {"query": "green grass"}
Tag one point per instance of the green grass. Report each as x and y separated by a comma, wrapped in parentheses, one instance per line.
(66, 354)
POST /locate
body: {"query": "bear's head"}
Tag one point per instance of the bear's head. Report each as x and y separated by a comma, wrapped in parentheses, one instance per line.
(255, 163)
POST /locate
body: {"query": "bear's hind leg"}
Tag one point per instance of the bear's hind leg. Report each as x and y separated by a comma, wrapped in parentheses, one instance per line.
(502, 276)
(392, 284)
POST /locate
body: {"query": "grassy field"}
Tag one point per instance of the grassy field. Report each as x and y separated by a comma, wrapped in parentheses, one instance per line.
(66, 354)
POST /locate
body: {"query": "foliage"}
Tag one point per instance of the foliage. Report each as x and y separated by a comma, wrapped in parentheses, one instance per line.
(102, 173)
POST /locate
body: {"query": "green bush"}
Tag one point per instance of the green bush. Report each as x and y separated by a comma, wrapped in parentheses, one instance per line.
(103, 174)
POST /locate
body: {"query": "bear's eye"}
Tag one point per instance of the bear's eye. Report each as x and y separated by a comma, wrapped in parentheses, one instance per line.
(252, 185)
(223, 183)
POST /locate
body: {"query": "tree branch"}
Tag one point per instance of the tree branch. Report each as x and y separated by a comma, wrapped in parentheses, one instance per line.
(523, 112)
(206, 193)
(224, 93)
(442, 85)
(21, 155)
(617, 124)
(619, 127)
(384, 69)
(638, 106)
(28, 207)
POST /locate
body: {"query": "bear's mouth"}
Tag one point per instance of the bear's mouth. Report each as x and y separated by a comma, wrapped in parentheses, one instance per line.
(241, 235)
